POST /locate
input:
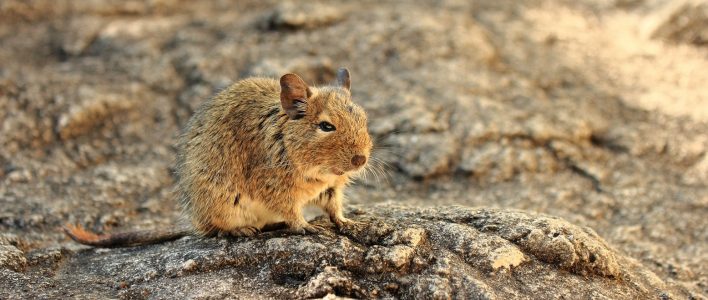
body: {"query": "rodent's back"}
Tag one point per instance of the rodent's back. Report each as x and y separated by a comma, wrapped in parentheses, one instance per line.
(229, 147)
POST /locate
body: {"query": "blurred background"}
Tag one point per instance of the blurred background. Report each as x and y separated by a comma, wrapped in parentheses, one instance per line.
(594, 111)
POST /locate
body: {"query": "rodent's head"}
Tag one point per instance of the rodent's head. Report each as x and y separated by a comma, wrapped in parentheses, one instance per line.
(326, 132)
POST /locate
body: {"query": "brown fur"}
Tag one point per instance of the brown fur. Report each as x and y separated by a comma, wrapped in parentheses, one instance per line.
(254, 155)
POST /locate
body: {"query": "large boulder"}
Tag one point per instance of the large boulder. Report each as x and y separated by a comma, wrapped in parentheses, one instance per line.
(434, 253)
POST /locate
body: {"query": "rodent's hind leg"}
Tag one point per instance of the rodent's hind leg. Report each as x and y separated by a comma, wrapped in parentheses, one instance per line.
(274, 226)
(246, 231)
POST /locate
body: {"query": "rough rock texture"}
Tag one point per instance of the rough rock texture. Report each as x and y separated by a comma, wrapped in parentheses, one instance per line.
(441, 253)
(11, 255)
(302, 16)
(683, 21)
(593, 111)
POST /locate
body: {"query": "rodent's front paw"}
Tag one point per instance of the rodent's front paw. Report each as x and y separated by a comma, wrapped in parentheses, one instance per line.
(343, 222)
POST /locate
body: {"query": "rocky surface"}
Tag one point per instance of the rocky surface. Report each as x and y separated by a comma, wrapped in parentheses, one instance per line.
(441, 253)
(594, 112)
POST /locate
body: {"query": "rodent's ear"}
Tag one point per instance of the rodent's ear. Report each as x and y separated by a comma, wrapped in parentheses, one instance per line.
(293, 95)
(343, 78)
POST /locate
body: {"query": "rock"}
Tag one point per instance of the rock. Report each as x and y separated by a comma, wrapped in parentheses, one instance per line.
(94, 108)
(699, 172)
(506, 258)
(424, 155)
(681, 22)
(302, 15)
(446, 252)
(78, 34)
(12, 240)
(331, 282)
(409, 114)
(566, 108)
(11, 257)
(312, 69)
(497, 162)
(19, 176)
(393, 259)
(136, 29)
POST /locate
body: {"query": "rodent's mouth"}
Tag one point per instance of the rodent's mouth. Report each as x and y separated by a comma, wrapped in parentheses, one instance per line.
(340, 172)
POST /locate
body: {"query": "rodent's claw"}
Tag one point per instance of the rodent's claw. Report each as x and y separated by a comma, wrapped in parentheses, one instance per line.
(341, 223)
(307, 228)
(315, 229)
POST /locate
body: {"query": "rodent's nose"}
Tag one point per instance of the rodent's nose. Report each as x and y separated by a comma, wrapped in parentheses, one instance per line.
(358, 160)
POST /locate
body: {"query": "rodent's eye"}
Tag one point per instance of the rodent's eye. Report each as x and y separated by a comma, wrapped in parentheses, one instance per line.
(327, 126)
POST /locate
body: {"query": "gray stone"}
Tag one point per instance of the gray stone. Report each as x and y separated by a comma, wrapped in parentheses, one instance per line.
(297, 15)
(11, 256)
(445, 252)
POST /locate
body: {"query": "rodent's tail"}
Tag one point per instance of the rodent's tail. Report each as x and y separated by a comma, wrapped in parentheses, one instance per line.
(123, 239)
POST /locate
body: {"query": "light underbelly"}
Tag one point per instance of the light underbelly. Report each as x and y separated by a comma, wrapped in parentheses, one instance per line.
(246, 213)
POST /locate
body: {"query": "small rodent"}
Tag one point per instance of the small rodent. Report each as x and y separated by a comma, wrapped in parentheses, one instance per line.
(257, 153)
